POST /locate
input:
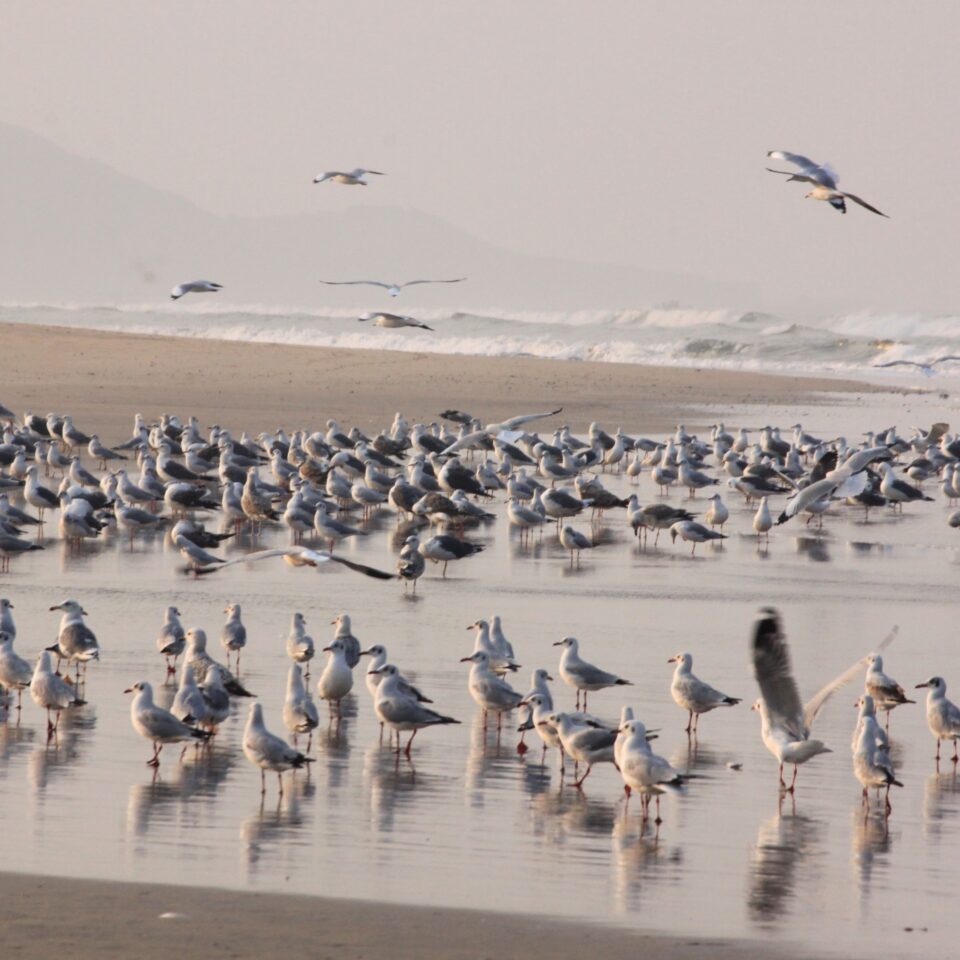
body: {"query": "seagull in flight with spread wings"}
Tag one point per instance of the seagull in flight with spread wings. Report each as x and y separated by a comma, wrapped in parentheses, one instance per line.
(823, 178)
(392, 288)
(352, 178)
(296, 557)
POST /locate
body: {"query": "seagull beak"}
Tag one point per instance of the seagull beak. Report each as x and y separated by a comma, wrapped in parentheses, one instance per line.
(672, 660)
(366, 653)
(327, 650)
(920, 685)
(128, 690)
(559, 643)
(332, 622)
(59, 606)
(550, 678)
(84, 612)
(465, 659)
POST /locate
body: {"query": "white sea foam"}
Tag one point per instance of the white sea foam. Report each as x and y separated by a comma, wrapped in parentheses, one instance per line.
(849, 344)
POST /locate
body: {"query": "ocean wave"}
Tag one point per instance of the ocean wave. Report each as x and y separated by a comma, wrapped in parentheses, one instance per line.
(663, 334)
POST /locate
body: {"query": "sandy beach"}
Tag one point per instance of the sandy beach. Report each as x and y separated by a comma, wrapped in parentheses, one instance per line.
(106, 920)
(103, 378)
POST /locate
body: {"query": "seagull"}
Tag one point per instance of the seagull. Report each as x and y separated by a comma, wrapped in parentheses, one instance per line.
(267, 751)
(786, 721)
(51, 692)
(574, 540)
(195, 286)
(75, 640)
(15, 672)
(824, 181)
(336, 680)
(693, 694)
(585, 743)
(400, 710)
(299, 711)
(642, 769)
(156, 724)
(233, 635)
(871, 764)
(488, 690)
(392, 288)
(172, 639)
(582, 675)
(300, 646)
(296, 557)
(884, 690)
(352, 179)
(391, 320)
(943, 716)
(693, 531)
(925, 368)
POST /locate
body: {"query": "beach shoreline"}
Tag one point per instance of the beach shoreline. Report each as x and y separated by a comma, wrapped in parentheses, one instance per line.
(103, 378)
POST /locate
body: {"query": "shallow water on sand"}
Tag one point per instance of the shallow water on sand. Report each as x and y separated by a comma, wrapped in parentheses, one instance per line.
(470, 822)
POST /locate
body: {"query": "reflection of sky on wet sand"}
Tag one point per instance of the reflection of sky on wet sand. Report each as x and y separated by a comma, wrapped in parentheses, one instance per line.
(470, 821)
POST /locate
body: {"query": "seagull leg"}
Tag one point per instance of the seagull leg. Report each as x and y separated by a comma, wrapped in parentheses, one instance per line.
(280, 783)
(783, 783)
(658, 821)
(689, 723)
(409, 745)
(263, 781)
(579, 783)
(793, 782)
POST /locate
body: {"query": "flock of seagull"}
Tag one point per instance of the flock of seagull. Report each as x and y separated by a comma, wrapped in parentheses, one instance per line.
(429, 475)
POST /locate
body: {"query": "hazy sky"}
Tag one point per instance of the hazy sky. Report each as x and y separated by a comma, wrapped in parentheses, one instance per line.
(629, 132)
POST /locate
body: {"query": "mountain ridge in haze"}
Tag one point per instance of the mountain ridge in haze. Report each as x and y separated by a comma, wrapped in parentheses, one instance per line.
(76, 230)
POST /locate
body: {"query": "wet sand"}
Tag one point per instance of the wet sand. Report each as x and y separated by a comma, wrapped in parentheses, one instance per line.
(105, 377)
(102, 378)
(44, 917)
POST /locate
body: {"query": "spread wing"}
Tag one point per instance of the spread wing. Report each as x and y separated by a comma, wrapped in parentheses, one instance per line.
(303, 556)
(411, 283)
(353, 283)
(771, 667)
(816, 703)
(863, 203)
(811, 172)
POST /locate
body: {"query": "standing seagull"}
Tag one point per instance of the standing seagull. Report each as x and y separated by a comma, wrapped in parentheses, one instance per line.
(353, 178)
(399, 710)
(871, 764)
(195, 286)
(233, 635)
(943, 716)
(584, 676)
(693, 694)
(786, 721)
(392, 288)
(824, 181)
(75, 641)
(391, 320)
(267, 751)
(172, 639)
(51, 692)
(156, 724)
(886, 692)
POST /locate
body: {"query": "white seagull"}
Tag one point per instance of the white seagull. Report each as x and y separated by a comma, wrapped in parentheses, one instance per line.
(156, 724)
(352, 178)
(392, 320)
(786, 721)
(692, 694)
(267, 751)
(392, 288)
(824, 181)
(195, 286)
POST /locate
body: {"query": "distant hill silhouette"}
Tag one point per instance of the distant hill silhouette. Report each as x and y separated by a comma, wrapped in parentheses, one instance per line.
(73, 229)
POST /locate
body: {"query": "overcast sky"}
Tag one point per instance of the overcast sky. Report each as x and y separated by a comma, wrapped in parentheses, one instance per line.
(629, 132)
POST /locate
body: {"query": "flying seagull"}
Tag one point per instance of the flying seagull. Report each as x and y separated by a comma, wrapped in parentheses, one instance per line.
(352, 179)
(195, 286)
(925, 368)
(824, 181)
(392, 320)
(392, 288)
(296, 557)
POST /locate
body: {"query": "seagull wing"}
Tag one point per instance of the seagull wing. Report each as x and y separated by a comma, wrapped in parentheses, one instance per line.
(411, 283)
(515, 422)
(906, 363)
(943, 359)
(863, 203)
(326, 176)
(816, 703)
(812, 172)
(771, 667)
(311, 558)
(464, 442)
(353, 283)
